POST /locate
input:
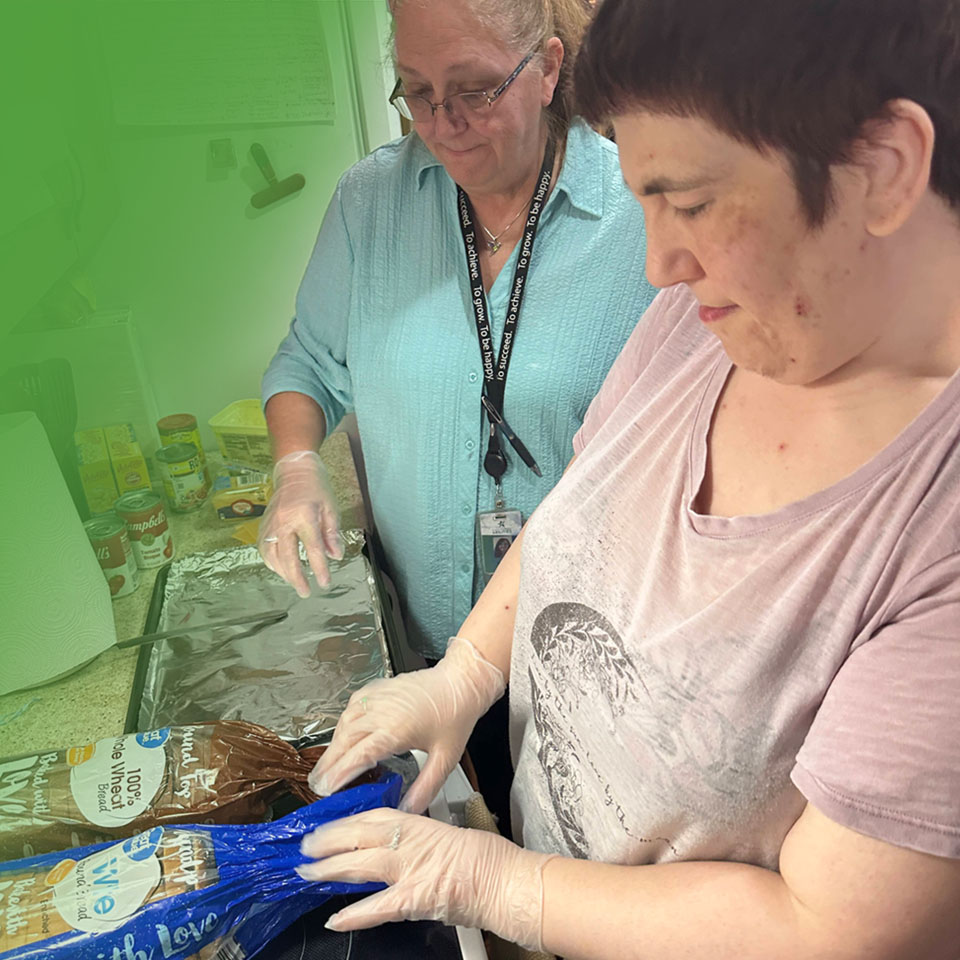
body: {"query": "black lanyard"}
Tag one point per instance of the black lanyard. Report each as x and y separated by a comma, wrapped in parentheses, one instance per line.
(495, 369)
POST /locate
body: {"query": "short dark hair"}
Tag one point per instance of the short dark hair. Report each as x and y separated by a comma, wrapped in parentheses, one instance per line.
(798, 76)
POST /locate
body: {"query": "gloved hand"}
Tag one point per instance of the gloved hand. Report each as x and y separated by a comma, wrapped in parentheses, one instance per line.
(436, 872)
(433, 710)
(302, 508)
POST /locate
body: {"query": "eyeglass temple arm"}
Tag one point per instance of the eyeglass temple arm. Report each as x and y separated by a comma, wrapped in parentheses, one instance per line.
(513, 76)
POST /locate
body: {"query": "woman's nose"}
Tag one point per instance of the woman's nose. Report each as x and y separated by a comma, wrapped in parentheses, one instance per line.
(669, 260)
(446, 124)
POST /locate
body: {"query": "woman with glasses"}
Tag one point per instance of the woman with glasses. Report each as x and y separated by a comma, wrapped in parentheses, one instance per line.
(469, 289)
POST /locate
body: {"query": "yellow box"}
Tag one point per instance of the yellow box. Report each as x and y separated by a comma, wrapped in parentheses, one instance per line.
(129, 465)
(93, 464)
(121, 440)
(241, 432)
(132, 473)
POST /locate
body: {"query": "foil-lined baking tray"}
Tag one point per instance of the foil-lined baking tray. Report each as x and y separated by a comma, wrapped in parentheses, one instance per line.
(295, 676)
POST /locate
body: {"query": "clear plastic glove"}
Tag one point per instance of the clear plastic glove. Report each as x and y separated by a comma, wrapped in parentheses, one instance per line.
(471, 878)
(302, 508)
(433, 710)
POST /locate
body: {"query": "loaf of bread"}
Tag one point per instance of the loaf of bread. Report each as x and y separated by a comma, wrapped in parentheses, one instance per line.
(173, 892)
(225, 772)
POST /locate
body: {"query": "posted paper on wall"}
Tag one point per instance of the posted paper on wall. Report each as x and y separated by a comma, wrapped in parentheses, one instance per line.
(202, 62)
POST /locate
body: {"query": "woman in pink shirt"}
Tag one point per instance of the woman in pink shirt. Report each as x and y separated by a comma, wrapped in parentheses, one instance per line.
(732, 632)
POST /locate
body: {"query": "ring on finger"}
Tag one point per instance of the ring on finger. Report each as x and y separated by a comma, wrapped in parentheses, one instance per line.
(363, 704)
(271, 539)
(395, 839)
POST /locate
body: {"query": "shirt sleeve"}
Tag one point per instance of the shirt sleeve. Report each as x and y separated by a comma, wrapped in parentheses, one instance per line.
(883, 753)
(312, 359)
(662, 316)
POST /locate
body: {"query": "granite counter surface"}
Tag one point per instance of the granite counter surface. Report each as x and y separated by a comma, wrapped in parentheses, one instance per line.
(91, 703)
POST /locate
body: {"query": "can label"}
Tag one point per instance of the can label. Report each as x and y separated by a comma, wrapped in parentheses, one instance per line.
(146, 522)
(184, 480)
(111, 544)
(182, 428)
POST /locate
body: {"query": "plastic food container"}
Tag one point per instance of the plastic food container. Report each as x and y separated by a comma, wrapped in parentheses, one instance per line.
(241, 432)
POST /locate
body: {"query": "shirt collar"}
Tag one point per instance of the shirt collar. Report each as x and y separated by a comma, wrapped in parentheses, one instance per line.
(581, 176)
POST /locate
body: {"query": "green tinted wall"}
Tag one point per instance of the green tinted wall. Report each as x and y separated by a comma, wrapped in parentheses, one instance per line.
(129, 246)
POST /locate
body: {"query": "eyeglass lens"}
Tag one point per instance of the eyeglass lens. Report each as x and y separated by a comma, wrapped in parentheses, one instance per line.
(458, 106)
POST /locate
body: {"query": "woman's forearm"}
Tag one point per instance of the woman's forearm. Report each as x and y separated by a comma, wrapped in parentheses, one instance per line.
(839, 895)
(676, 911)
(489, 625)
(295, 422)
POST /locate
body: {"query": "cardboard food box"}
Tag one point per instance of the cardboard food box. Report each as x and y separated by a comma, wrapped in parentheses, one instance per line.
(96, 475)
(129, 465)
(242, 497)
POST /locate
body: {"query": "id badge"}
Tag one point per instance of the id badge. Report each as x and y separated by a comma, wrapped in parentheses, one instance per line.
(496, 530)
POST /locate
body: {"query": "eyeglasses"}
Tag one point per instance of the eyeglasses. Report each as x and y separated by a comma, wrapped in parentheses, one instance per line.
(459, 106)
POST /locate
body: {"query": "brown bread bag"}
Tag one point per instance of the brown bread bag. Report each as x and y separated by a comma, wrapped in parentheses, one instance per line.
(221, 772)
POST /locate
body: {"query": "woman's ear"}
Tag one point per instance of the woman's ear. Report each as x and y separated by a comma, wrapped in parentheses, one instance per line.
(553, 54)
(895, 153)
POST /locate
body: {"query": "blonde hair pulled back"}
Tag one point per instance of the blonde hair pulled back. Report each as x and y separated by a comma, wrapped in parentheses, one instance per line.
(527, 25)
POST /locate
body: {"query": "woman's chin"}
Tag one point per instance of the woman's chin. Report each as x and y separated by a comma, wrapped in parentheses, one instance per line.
(464, 166)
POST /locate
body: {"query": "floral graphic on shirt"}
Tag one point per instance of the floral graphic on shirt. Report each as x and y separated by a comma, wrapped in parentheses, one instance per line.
(573, 634)
(583, 656)
(599, 707)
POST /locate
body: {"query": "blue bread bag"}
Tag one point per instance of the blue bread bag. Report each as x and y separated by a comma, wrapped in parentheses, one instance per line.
(176, 892)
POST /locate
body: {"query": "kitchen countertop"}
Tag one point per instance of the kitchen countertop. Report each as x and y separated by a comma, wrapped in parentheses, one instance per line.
(91, 703)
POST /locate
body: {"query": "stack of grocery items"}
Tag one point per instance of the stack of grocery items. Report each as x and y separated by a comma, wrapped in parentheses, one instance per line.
(241, 490)
(96, 473)
(129, 529)
(126, 458)
(186, 478)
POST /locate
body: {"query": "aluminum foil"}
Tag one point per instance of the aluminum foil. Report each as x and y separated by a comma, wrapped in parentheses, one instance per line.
(294, 677)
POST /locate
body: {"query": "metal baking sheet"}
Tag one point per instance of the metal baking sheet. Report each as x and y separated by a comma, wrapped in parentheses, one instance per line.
(294, 677)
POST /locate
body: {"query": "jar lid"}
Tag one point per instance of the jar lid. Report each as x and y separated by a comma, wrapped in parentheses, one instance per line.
(177, 422)
(176, 453)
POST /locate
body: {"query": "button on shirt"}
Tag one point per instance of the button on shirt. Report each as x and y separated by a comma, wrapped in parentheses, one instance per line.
(384, 327)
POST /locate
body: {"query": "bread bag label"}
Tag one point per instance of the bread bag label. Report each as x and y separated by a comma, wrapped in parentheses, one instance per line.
(103, 890)
(115, 781)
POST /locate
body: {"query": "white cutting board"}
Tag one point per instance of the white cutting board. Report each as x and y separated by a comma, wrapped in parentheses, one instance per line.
(55, 612)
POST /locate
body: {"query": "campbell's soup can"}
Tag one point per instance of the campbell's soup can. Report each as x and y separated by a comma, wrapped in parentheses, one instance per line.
(110, 542)
(182, 428)
(142, 512)
(184, 481)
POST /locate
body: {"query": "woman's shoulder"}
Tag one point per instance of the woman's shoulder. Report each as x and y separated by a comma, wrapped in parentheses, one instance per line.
(581, 136)
(669, 340)
(387, 166)
(593, 179)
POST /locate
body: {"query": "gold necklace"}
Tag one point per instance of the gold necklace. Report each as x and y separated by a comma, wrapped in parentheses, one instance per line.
(494, 242)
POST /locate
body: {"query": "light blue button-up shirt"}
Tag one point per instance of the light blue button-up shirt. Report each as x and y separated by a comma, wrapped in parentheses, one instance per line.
(384, 327)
